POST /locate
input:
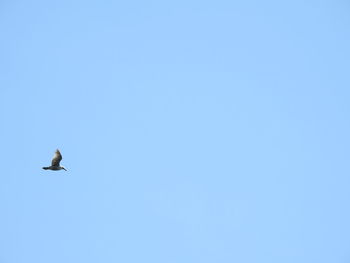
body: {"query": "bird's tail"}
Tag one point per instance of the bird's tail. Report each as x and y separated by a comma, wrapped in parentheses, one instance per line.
(45, 168)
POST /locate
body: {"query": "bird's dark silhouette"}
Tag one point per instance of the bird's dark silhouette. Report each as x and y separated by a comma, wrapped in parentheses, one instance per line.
(55, 163)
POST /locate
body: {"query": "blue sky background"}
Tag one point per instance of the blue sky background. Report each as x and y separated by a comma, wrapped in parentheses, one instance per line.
(192, 131)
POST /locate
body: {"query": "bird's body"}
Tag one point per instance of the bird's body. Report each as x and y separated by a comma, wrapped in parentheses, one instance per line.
(55, 163)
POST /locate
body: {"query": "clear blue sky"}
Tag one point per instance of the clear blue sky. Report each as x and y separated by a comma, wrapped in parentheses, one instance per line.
(192, 131)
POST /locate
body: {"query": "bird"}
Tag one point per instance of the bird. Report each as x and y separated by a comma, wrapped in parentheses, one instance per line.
(55, 163)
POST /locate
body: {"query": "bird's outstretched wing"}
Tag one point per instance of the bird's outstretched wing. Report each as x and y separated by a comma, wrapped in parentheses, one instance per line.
(56, 158)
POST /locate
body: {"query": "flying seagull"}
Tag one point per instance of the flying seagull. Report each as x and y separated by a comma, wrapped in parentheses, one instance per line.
(55, 163)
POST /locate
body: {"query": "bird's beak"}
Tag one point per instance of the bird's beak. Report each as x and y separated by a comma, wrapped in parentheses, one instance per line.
(64, 168)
